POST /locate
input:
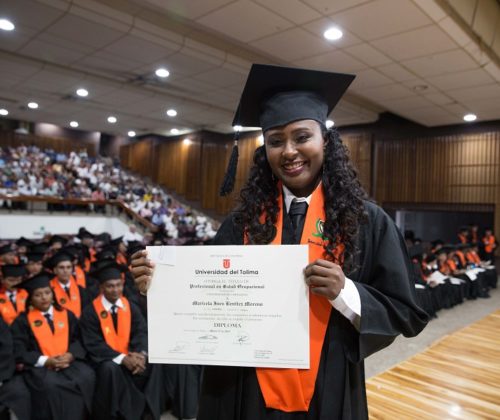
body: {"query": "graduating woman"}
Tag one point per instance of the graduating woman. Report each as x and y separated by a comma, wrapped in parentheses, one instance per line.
(47, 345)
(303, 189)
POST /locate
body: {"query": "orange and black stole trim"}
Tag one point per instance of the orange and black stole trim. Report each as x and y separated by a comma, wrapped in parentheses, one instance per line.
(51, 343)
(117, 340)
(292, 389)
(71, 302)
(7, 310)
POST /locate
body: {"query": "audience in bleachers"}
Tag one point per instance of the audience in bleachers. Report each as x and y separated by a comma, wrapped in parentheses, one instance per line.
(29, 171)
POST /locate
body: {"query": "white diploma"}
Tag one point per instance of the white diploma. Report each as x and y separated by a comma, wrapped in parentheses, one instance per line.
(229, 306)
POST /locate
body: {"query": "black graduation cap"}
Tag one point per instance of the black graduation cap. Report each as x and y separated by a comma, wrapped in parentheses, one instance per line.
(444, 250)
(116, 241)
(274, 96)
(84, 233)
(107, 270)
(41, 247)
(6, 249)
(22, 241)
(35, 256)
(430, 258)
(103, 237)
(13, 270)
(59, 257)
(107, 253)
(36, 282)
(58, 238)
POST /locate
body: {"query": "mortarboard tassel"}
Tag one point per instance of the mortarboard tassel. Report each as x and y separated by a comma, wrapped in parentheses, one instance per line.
(227, 185)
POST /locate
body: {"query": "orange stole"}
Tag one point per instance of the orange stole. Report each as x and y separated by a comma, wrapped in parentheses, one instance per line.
(7, 310)
(51, 344)
(292, 389)
(118, 341)
(489, 243)
(72, 302)
(80, 277)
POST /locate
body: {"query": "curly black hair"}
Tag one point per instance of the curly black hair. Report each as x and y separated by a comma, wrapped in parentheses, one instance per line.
(343, 192)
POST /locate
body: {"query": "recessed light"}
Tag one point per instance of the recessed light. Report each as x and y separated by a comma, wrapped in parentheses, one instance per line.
(73, 124)
(112, 119)
(6, 25)
(131, 133)
(162, 72)
(171, 112)
(420, 88)
(237, 128)
(33, 105)
(4, 112)
(470, 117)
(329, 123)
(332, 34)
(187, 141)
(82, 92)
(174, 131)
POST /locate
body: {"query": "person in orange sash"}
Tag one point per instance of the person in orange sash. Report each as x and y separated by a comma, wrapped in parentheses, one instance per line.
(115, 335)
(303, 189)
(463, 235)
(8, 255)
(67, 292)
(47, 346)
(12, 299)
(490, 244)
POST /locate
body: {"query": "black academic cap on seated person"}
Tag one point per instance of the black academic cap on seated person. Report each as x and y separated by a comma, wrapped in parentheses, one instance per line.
(35, 256)
(22, 241)
(84, 233)
(116, 241)
(36, 282)
(42, 247)
(58, 238)
(13, 270)
(107, 253)
(430, 258)
(275, 96)
(107, 270)
(59, 257)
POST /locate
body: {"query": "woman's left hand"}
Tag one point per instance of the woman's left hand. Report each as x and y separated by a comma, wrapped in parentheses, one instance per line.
(325, 278)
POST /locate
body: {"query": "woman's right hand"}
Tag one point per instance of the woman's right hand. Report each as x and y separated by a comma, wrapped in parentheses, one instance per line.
(142, 270)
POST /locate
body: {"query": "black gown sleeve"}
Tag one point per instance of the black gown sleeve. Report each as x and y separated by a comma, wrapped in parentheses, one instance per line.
(138, 331)
(6, 352)
(25, 350)
(384, 282)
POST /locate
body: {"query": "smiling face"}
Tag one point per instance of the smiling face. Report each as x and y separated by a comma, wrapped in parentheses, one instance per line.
(295, 154)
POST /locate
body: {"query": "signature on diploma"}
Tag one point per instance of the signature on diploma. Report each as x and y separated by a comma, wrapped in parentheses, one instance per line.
(180, 347)
(242, 337)
(208, 337)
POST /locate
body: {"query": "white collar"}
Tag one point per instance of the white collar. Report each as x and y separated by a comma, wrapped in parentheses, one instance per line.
(107, 304)
(289, 197)
(68, 284)
(49, 311)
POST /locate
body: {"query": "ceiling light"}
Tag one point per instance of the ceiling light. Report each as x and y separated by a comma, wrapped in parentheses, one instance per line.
(187, 142)
(112, 119)
(174, 131)
(171, 112)
(4, 112)
(6, 25)
(82, 92)
(260, 139)
(162, 72)
(33, 105)
(329, 123)
(470, 117)
(420, 88)
(131, 133)
(332, 34)
(237, 128)
(73, 124)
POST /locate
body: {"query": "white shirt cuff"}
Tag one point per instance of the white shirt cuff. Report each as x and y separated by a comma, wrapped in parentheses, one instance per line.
(348, 303)
(118, 359)
(41, 361)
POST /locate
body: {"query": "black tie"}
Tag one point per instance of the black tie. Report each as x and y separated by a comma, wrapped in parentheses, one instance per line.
(66, 289)
(297, 214)
(13, 299)
(49, 320)
(114, 315)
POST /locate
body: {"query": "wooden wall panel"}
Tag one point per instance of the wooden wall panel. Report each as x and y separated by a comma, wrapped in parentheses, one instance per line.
(360, 152)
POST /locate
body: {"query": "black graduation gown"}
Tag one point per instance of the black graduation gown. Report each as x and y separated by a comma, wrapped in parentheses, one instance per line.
(14, 394)
(388, 308)
(65, 394)
(118, 392)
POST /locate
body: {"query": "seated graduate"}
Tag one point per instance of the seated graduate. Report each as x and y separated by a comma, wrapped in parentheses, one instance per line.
(489, 244)
(303, 189)
(47, 345)
(23, 245)
(115, 336)
(34, 263)
(8, 255)
(12, 298)
(78, 253)
(14, 394)
(67, 292)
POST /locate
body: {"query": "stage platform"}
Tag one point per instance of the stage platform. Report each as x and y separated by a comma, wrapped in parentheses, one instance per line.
(458, 377)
